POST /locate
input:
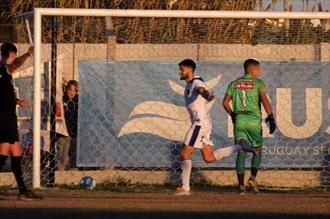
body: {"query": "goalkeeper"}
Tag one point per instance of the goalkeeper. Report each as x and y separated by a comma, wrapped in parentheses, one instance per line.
(247, 93)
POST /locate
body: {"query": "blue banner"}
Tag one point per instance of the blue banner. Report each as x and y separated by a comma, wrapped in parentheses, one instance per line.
(132, 114)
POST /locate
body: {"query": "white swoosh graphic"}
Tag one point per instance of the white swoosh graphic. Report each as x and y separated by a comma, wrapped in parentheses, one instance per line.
(161, 109)
(166, 128)
(174, 127)
(177, 120)
(164, 109)
(177, 88)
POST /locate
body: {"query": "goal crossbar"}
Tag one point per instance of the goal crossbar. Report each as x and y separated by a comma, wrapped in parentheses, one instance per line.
(179, 13)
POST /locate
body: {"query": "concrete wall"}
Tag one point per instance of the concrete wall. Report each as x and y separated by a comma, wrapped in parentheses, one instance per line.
(70, 54)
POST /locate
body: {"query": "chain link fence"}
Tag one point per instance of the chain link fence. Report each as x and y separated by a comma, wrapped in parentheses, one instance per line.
(129, 119)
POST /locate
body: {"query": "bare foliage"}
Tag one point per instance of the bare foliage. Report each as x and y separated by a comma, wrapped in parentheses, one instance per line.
(143, 30)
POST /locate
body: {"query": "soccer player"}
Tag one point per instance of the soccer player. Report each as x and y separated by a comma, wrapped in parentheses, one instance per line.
(247, 93)
(9, 142)
(198, 136)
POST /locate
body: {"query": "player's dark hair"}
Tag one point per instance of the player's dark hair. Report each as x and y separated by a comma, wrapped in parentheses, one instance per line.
(188, 63)
(250, 62)
(6, 48)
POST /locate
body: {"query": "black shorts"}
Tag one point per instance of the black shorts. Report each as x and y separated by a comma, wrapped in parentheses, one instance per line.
(8, 128)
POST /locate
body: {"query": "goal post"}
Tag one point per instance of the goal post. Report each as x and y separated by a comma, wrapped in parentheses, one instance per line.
(39, 13)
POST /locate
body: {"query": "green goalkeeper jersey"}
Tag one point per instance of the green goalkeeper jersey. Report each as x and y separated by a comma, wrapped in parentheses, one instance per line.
(245, 97)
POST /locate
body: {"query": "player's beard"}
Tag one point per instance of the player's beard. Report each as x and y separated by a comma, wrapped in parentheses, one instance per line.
(183, 77)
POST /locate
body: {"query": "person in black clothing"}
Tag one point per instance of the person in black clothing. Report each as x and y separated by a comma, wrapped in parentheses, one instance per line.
(70, 105)
(67, 145)
(9, 140)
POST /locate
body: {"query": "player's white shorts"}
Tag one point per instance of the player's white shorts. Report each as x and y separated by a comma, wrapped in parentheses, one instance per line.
(198, 135)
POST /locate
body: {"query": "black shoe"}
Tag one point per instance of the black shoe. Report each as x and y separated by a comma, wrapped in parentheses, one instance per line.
(28, 196)
(3, 196)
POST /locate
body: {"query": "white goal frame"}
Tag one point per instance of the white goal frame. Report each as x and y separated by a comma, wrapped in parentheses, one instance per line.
(40, 12)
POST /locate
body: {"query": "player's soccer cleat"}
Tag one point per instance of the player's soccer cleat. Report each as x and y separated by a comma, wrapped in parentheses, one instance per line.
(28, 196)
(181, 191)
(253, 185)
(241, 190)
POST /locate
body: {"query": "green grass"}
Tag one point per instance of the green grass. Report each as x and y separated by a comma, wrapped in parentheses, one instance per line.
(120, 184)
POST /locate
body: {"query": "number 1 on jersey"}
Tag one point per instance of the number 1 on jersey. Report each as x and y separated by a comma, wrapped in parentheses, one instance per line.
(244, 98)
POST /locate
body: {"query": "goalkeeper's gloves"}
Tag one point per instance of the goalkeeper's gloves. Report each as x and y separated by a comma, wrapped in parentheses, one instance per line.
(271, 123)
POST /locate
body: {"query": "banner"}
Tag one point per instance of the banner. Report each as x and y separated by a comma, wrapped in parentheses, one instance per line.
(132, 114)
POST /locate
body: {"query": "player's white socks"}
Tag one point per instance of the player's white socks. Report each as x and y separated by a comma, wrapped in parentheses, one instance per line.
(225, 152)
(185, 175)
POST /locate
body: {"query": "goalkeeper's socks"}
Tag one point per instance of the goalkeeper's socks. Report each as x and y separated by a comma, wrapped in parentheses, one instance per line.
(17, 170)
(225, 152)
(240, 178)
(185, 175)
(3, 159)
(254, 172)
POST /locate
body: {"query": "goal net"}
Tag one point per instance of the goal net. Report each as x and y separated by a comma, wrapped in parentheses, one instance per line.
(126, 119)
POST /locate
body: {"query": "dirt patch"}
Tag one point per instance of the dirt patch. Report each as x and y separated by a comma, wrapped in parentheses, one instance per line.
(104, 204)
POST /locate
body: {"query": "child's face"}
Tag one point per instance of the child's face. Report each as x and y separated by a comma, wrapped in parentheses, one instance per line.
(71, 91)
(11, 58)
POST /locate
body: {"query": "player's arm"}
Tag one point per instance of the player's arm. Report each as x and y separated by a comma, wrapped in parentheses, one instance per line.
(205, 93)
(266, 104)
(226, 101)
(20, 60)
(268, 108)
(226, 105)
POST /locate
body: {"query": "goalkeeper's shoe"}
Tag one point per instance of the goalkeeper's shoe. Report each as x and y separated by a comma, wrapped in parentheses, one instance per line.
(2, 197)
(28, 196)
(180, 191)
(253, 186)
(241, 190)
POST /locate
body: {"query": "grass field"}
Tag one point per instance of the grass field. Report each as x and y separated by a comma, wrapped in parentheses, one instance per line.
(159, 202)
